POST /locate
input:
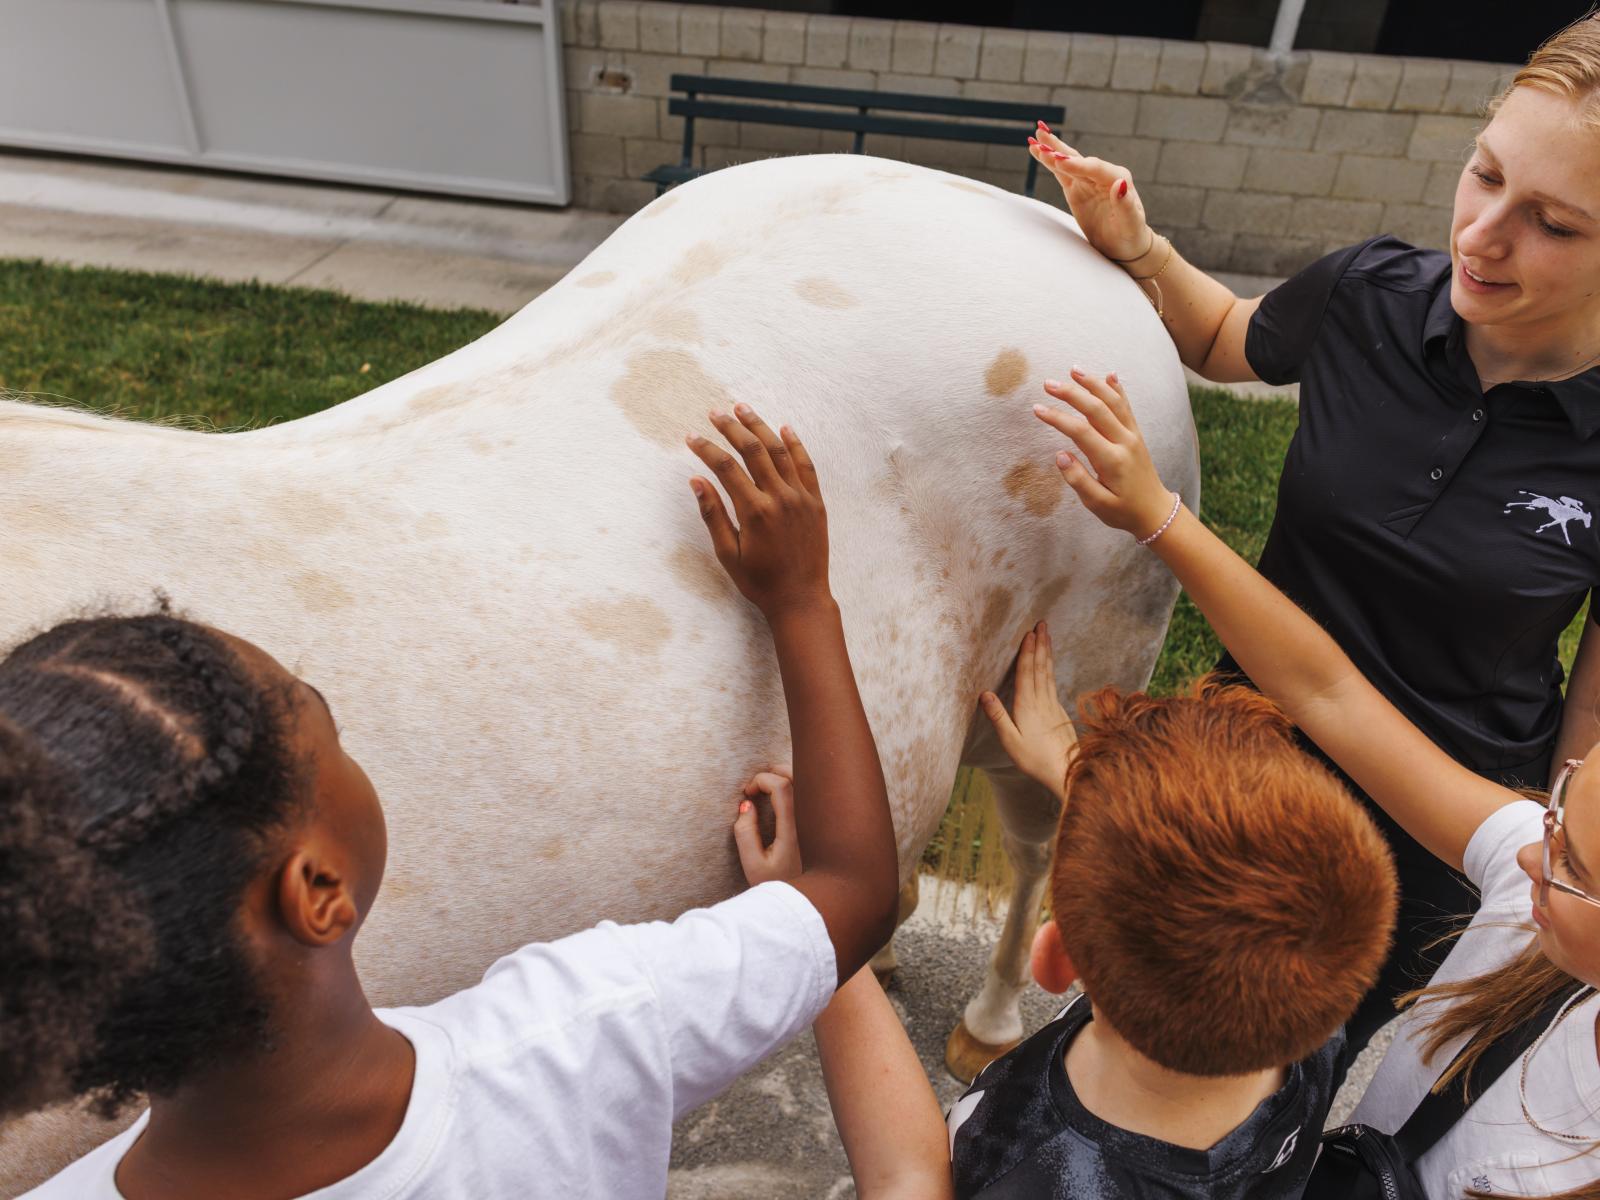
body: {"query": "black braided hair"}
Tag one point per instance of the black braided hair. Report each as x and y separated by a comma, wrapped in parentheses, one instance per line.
(141, 766)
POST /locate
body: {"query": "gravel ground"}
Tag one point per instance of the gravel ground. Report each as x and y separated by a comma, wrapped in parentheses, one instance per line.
(771, 1135)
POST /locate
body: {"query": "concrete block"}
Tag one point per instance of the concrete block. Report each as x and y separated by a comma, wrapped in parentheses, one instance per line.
(646, 154)
(1289, 126)
(1202, 165)
(569, 23)
(1185, 118)
(827, 41)
(829, 77)
(619, 195)
(956, 51)
(620, 116)
(619, 24)
(783, 38)
(733, 68)
(1135, 65)
(1328, 76)
(706, 133)
(1139, 155)
(1166, 205)
(658, 28)
(871, 44)
(1182, 66)
(1095, 110)
(652, 73)
(1440, 138)
(919, 85)
(1208, 249)
(1422, 84)
(1419, 224)
(586, 23)
(1365, 177)
(1375, 83)
(700, 31)
(1440, 190)
(913, 48)
(584, 67)
(1241, 212)
(1473, 85)
(1010, 93)
(834, 141)
(1296, 172)
(1045, 56)
(885, 145)
(1346, 220)
(1256, 254)
(1002, 54)
(601, 154)
(1380, 133)
(741, 34)
(1227, 65)
(1089, 65)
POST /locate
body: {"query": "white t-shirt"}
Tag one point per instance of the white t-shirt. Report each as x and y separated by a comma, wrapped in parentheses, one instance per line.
(561, 1073)
(1493, 1148)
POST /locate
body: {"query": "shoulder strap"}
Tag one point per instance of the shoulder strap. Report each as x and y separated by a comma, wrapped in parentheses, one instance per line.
(1432, 1119)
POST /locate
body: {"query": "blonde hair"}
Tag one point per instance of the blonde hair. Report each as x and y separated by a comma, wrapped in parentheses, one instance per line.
(1567, 64)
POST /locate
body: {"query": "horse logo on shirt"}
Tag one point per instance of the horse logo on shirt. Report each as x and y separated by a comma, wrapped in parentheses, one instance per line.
(1561, 511)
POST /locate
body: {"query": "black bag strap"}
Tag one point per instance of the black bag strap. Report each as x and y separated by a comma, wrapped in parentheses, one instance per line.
(1432, 1119)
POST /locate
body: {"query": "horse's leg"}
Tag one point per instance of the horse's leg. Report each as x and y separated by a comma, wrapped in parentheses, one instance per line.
(884, 961)
(992, 1023)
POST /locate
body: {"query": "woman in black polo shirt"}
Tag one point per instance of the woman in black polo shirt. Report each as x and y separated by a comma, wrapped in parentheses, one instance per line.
(1435, 508)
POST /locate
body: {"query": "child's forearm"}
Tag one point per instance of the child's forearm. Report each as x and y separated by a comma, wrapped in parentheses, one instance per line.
(842, 816)
(1293, 660)
(887, 1114)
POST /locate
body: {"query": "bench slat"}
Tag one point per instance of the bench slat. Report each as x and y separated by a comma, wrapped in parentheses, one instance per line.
(895, 101)
(765, 114)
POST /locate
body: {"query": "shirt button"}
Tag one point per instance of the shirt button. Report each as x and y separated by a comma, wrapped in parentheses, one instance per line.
(1477, 414)
(1436, 474)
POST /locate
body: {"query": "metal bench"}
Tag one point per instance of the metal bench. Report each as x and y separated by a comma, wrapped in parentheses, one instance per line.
(857, 117)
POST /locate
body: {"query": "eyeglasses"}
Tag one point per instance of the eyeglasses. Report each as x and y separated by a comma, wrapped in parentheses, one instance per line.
(1554, 826)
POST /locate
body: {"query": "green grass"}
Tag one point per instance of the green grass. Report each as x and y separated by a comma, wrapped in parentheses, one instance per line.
(159, 347)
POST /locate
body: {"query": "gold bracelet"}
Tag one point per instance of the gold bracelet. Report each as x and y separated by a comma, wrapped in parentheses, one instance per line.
(1141, 280)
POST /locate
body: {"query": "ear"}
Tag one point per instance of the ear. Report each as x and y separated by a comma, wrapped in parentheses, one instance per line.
(314, 898)
(1052, 969)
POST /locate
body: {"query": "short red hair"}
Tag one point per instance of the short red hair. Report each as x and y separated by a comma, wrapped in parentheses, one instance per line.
(1224, 899)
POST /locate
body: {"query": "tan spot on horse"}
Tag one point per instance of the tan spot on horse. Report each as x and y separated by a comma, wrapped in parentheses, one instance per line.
(1006, 372)
(481, 445)
(824, 293)
(595, 279)
(658, 206)
(436, 399)
(699, 262)
(998, 603)
(1039, 488)
(634, 623)
(666, 394)
(675, 325)
(701, 574)
(961, 185)
(320, 592)
(432, 525)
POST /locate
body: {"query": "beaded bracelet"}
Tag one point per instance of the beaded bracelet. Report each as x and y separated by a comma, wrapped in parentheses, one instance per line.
(1177, 503)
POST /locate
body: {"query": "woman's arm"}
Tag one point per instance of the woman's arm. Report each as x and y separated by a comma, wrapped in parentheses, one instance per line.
(1288, 655)
(888, 1117)
(1206, 320)
(1580, 712)
(887, 1114)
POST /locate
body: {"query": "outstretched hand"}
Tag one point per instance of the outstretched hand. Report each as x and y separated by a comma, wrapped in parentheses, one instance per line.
(778, 553)
(1100, 194)
(1037, 734)
(1119, 484)
(779, 859)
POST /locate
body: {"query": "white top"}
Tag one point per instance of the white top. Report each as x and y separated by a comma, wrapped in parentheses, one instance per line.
(561, 1073)
(1493, 1148)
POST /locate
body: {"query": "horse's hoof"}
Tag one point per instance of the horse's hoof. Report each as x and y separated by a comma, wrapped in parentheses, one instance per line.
(965, 1055)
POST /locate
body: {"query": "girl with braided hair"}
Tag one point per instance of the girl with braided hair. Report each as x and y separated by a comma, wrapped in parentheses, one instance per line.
(187, 854)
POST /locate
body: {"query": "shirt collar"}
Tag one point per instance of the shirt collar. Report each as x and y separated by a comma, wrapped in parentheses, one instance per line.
(1579, 397)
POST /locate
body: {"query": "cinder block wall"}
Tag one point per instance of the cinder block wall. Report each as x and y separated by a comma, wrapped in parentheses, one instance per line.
(1246, 168)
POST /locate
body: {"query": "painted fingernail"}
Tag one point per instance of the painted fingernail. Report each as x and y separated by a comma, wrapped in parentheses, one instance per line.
(1039, 410)
(1111, 376)
(1057, 154)
(1076, 370)
(1033, 141)
(694, 486)
(1063, 458)
(1122, 189)
(744, 410)
(1051, 385)
(1044, 127)
(744, 806)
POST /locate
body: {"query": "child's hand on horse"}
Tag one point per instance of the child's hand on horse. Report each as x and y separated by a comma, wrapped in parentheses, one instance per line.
(1037, 733)
(781, 858)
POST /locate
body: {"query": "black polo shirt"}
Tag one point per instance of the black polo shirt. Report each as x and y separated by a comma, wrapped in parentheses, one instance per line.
(1443, 535)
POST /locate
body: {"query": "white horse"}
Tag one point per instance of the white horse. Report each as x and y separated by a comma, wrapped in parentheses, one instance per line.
(494, 568)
